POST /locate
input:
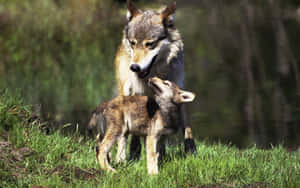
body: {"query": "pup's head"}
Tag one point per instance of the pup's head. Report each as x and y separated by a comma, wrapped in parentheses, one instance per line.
(169, 91)
(146, 34)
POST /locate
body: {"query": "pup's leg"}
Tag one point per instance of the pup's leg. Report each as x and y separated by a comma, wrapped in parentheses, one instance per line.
(121, 153)
(108, 141)
(99, 139)
(152, 155)
(189, 144)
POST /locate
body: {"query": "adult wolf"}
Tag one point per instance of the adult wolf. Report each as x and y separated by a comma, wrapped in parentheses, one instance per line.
(151, 46)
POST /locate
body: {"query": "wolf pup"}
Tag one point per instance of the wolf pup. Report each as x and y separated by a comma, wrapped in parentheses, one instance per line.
(151, 46)
(143, 116)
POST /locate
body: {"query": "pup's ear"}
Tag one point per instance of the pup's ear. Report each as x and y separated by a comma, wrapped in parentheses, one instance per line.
(186, 96)
(132, 11)
(167, 14)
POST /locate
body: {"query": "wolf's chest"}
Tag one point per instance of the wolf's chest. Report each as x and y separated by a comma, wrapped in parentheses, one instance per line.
(138, 86)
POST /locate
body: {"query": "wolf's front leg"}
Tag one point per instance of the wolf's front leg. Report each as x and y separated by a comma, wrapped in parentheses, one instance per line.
(152, 155)
(189, 144)
(135, 148)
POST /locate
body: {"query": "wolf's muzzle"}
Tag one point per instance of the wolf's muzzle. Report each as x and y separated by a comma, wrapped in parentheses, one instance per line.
(135, 68)
(142, 73)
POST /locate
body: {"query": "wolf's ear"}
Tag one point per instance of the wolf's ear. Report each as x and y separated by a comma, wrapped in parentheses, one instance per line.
(167, 14)
(132, 11)
(186, 96)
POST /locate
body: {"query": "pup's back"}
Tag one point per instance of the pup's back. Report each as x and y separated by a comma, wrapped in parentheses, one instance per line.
(135, 112)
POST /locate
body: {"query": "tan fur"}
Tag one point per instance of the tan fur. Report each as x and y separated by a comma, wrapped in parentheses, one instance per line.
(141, 115)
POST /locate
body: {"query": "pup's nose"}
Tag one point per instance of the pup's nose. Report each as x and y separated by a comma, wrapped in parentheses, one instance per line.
(150, 80)
(135, 68)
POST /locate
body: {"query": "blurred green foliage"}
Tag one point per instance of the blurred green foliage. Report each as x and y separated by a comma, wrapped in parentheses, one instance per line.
(60, 54)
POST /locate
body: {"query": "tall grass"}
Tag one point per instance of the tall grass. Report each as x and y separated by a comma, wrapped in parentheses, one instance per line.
(13, 115)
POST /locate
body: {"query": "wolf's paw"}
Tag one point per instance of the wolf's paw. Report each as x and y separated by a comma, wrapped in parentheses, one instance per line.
(190, 146)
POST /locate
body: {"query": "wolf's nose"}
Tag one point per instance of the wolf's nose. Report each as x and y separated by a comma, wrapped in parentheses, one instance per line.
(135, 68)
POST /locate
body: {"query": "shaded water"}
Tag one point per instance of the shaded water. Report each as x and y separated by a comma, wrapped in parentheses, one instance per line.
(241, 135)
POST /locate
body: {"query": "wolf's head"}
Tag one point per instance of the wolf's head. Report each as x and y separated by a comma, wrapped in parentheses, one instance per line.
(167, 91)
(147, 33)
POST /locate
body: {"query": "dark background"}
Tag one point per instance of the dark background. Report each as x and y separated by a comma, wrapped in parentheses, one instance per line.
(242, 61)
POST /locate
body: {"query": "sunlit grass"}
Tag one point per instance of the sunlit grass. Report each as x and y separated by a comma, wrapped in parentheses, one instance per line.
(212, 165)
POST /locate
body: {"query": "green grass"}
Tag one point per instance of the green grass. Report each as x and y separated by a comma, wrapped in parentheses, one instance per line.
(57, 160)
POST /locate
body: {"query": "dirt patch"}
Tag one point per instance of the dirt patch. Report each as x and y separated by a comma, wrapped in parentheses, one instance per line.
(69, 172)
(11, 160)
(255, 185)
(12, 165)
(38, 186)
(9, 154)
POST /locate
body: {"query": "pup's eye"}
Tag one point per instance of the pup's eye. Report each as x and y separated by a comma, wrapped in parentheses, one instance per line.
(167, 83)
(132, 42)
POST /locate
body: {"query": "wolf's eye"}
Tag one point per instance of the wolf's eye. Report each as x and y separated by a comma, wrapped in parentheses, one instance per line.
(132, 42)
(150, 44)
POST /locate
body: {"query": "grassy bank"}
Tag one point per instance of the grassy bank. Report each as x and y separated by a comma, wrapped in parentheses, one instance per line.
(30, 156)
